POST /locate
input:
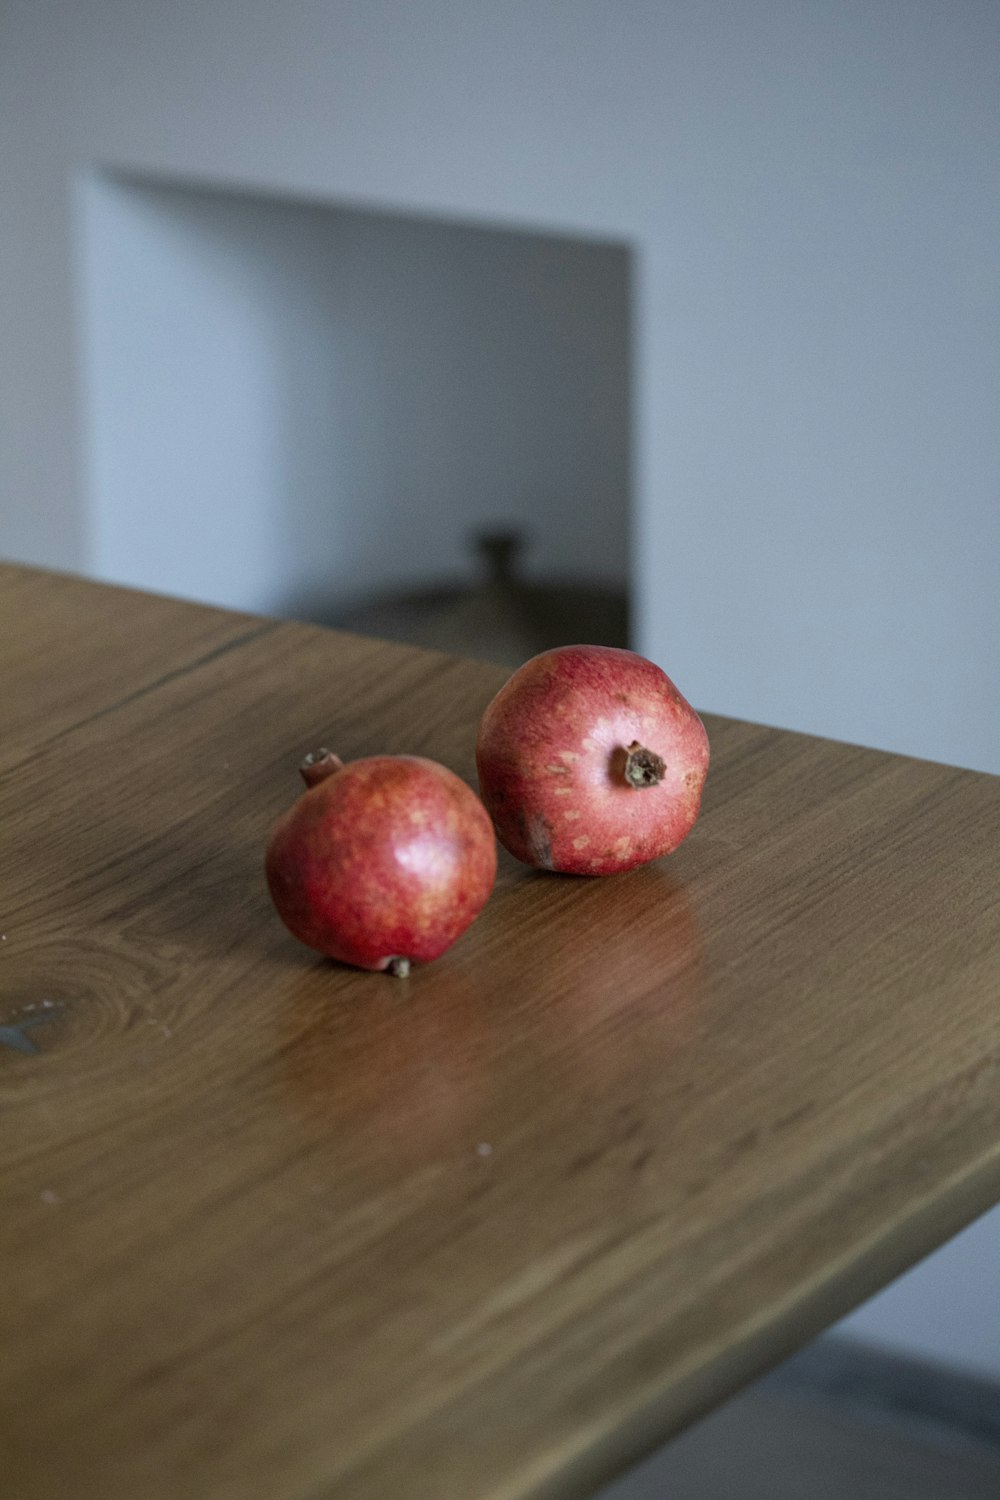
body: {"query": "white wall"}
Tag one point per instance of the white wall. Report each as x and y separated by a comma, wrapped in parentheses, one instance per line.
(290, 406)
(822, 382)
(812, 192)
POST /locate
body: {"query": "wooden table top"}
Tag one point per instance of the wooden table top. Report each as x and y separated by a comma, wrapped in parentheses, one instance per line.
(273, 1228)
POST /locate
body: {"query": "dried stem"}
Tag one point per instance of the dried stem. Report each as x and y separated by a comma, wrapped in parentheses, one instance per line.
(643, 767)
(318, 765)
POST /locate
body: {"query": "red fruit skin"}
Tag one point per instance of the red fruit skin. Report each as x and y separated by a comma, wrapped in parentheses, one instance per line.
(392, 856)
(551, 754)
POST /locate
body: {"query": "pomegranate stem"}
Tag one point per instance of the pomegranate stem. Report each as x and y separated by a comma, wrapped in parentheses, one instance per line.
(318, 765)
(643, 767)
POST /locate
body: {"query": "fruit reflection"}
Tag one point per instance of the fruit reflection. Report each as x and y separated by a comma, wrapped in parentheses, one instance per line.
(596, 997)
(394, 1071)
(625, 975)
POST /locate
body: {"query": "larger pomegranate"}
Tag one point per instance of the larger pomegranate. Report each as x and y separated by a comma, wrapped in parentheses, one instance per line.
(590, 761)
(381, 861)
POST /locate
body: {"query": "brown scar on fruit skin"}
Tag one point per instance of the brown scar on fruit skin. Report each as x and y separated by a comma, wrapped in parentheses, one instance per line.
(539, 836)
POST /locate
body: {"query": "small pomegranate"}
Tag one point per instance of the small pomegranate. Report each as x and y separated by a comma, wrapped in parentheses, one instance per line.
(381, 861)
(590, 761)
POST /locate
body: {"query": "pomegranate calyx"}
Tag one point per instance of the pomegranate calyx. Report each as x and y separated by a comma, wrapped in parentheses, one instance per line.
(318, 765)
(643, 767)
(399, 968)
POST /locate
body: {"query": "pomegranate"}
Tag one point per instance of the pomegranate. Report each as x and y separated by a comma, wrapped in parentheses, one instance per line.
(590, 761)
(381, 861)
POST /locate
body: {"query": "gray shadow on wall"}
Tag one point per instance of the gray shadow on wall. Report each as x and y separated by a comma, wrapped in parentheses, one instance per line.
(302, 408)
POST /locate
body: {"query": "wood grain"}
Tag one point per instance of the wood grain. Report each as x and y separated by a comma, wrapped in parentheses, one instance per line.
(272, 1228)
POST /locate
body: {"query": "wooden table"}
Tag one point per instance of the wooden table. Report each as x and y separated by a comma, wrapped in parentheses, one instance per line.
(273, 1228)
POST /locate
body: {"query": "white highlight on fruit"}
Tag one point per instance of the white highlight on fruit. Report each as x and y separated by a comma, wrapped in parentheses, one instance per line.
(424, 856)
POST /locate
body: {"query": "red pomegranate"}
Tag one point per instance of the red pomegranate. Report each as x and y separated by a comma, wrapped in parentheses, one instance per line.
(382, 861)
(590, 761)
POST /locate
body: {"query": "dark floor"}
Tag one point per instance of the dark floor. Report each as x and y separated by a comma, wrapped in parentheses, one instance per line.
(838, 1423)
